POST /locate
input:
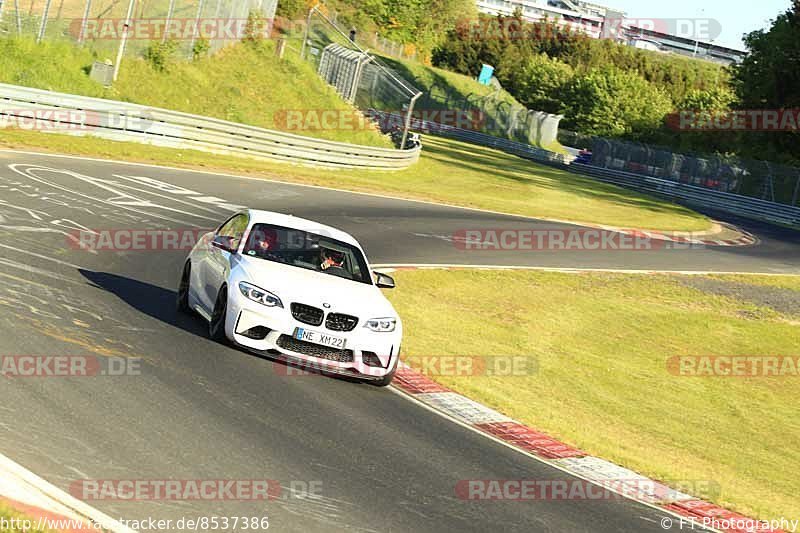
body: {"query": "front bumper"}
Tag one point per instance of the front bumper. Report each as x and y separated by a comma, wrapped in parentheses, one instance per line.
(274, 329)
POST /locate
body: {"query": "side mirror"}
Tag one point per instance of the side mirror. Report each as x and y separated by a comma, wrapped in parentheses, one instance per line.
(223, 243)
(383, 281)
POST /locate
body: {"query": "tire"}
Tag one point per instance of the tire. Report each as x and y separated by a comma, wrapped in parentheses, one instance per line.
(216, 326)
(386, 380)
(182, 298)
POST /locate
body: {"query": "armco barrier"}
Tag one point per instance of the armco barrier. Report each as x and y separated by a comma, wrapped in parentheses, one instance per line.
(482, 139)
(124, 121)
(673, 190)
(695, 196)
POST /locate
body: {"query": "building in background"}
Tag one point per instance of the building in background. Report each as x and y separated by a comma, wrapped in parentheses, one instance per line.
(602, 22)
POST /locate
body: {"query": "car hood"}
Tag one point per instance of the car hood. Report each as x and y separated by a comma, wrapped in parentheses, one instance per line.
(295, 284)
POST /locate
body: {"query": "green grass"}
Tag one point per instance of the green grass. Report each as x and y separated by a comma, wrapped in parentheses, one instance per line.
(448, 90)
(441, 83)
(448, 172)
(246, 84)
(602, 342)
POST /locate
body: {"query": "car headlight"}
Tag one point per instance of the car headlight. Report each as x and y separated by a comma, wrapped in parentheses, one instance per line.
(260, 295)
(381, 325)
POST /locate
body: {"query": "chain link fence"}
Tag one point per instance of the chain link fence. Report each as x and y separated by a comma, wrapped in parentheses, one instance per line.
(495, 114)
(190, 26)
(748, 177)
(360, 77)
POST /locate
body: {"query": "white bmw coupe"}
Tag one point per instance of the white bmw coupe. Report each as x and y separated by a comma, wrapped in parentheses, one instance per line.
(294, 289)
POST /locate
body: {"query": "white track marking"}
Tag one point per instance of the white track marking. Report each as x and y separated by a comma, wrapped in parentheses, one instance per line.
(553, 464)
(123, 200)
(320, 187)
(423, 266)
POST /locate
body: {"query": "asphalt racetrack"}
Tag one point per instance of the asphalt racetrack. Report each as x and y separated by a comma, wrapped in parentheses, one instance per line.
(348, 456)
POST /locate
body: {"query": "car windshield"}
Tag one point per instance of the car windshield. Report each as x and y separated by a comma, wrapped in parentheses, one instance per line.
(307, 250)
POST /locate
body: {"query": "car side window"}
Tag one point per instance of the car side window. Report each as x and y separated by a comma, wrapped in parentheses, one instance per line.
(234, 228)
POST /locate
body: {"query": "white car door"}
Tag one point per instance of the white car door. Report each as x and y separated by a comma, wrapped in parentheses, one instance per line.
(217, 266)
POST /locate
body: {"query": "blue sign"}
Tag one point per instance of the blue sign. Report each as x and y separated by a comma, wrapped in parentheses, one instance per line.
(487, 71)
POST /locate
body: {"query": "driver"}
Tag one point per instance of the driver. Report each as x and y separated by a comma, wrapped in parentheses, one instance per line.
(264, 244)
(331, 258)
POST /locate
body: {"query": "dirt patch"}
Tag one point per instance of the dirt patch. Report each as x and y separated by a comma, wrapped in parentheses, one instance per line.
(786, 301)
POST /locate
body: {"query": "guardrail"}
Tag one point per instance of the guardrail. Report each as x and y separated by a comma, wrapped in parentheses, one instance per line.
(673, 190)
(694, 195)
(124, 121)
(523, 150)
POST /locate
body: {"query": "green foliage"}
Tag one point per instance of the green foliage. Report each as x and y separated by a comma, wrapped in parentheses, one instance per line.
(769, 78)
(49, 65)
(612, 102)
(291, 9)
(423, 23)
(200, 48)
(509, 42)
(160, 55)
(242, 83)
(605, 88)
(769, 75)
(539, 83)
(255, 28)
(714, 99)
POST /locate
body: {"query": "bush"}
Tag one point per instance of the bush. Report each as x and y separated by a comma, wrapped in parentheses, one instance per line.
(201, 48)
(255, 29)
(611, 102)
(160, 55)
(540, 82)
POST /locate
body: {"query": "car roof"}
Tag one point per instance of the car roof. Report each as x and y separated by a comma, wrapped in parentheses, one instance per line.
(258, 216)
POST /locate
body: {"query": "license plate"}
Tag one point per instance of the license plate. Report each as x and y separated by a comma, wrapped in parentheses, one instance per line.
(319, 338)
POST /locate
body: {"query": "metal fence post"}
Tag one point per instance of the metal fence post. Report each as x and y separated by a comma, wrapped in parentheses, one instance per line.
(363, 60)
(306, 33)
(408, 120)
(18, 17)
(43, 24)
(124, 39)
(196, 29)
(170, 12)
(84, 22)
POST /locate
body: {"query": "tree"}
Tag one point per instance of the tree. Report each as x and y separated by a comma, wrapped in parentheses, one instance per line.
(611, 102)
(538, 82)
(769, 76)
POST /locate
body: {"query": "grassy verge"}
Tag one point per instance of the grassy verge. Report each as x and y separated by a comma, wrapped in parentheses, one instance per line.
(448, 90)
(7, 514)
(602, 342)
(446, 85)
(449, 172)
(241, 83)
